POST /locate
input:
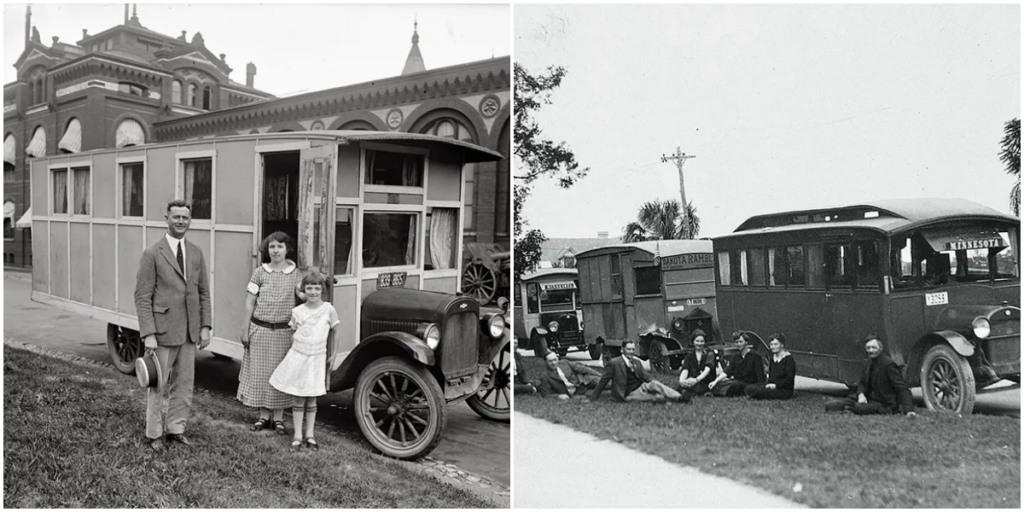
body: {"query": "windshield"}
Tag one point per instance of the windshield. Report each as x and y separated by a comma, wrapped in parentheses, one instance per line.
(959, 254)
(557, 300)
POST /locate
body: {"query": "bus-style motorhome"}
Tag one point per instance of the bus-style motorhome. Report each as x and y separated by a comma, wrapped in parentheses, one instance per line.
(938, 280)
(379, 214)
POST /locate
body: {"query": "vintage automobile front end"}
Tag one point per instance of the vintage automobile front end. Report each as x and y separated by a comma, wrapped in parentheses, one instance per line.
(563, 331)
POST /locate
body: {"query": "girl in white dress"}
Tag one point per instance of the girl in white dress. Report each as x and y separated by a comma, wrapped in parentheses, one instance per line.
(303, 371)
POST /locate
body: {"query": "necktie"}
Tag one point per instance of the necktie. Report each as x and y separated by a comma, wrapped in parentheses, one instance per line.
(181, 258)
(568, 385)
(629, 364)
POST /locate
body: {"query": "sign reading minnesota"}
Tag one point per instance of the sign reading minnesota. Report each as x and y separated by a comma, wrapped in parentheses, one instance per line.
(987, 243)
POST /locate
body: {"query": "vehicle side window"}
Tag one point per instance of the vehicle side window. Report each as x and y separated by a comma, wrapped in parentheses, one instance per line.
(724, 269)
(867, 264)
(648, 280)
(756, 267)
(902, 263)
(532, 299)
(739, 267)
(616, 276)
(776, 267)
(815, 266)
(795, 260)
(395, 169)
(837, 258)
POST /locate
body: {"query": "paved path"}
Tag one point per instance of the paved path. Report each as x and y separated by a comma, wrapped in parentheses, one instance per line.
(558, 467)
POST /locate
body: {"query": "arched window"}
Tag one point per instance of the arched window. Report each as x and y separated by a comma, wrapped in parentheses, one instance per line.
(40, 93)
(32, 93)
(129, 133)
(176, 91)
(192, 89)
(452, 128)
(449, 128)
(206, 97)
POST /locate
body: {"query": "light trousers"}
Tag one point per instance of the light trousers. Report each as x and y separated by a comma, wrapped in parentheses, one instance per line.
(653, 391)
(179, 371)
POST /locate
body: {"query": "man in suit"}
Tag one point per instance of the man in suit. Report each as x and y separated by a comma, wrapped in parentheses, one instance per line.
(172, 299)
(631, 383)
(881, 389)
(566, 378)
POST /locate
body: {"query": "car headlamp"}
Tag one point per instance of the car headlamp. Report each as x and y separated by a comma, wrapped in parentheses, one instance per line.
(553, 326)
(496, 326)
(982, 327)
(430, 334)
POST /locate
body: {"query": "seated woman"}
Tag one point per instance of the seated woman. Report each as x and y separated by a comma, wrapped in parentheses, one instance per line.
(741, 370)
(698, 368)
(781, 373)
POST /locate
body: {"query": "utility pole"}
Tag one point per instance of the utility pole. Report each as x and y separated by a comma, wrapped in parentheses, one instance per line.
(679, 158)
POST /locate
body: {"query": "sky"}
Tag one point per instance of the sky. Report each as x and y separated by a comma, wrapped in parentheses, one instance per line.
(784, 106)
(296, 48)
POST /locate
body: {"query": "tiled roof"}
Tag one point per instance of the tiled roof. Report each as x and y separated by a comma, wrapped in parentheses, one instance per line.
(554, 248)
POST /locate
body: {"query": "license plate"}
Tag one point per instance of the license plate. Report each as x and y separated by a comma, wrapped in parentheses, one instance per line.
(695, 302)
(391, 280)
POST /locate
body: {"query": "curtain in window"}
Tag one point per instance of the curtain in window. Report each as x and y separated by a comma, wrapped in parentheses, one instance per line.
(9, 150)
(60, 191)
(410, 248)
(442, 238)
(37, 146)
(131, 191)
(72, 140)
(771, 267)
(410, 176)
(724, 268)
(81, 191)
(197, 187)
(743, 268)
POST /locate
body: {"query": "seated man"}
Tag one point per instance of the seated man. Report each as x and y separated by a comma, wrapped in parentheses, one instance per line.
(566, 378)
(743, 369)
(698, 367)
(631, 383)
(881, 389)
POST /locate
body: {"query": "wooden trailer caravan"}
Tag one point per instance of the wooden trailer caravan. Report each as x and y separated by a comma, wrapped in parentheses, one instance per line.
(393, 207)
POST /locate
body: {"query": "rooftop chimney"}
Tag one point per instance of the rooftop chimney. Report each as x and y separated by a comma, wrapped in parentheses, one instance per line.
(250, 74)
(602, 234)
(28, 23)
(224, 58)
(85, 33)
(125, 14)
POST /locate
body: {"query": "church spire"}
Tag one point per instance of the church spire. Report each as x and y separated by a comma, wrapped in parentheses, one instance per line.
(414, 63)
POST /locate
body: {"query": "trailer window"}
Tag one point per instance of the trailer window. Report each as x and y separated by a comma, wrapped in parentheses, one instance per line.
(389, 240)
(442, 239)
(132, 186)
(795, 266)
(532, 299)
(344, 233)
(616, 276)
(198, 186)
(724, 269)
(739, 267)
(60, 191)
(867, 264)
(648, 280)
(394, 169)
(776, 267)
(756, 267)
(81, 192)
(1006, 259)
(902, 263)
(815, 266)
(840, 273)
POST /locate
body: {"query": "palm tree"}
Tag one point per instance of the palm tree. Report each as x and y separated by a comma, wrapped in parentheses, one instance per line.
(1010, 155)
(662, 220)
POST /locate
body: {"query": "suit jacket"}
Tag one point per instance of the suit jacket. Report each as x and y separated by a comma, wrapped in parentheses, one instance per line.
(617, 373)
(578, 374)
(885, 384)
(168, 306)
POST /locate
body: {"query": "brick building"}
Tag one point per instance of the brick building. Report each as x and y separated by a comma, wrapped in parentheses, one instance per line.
(130, 85)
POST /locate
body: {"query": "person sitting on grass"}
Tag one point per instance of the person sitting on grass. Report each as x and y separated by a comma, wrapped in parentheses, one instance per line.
(303, 371)
(742, 369)
(522, 384)
(880, 390)
(631, 383)
(566, 378)
(781, 373)
(698, 367)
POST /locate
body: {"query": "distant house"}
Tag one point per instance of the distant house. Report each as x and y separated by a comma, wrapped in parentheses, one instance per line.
(561, 252)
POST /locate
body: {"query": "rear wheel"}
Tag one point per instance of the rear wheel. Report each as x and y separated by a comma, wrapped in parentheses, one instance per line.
(125, 346)
(400, 408)
(658, 356)
(595, 349)
(947, 381)
(491, 401)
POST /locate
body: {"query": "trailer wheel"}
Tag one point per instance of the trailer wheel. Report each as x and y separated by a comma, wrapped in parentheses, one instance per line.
(595, 349)
(947, 381)
(479, 282)
(400, 408)
(125, 346)
(491, 401)
(659, 357)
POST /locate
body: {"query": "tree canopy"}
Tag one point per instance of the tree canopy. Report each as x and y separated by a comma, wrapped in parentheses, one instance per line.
(662, 220)
(1010, 156)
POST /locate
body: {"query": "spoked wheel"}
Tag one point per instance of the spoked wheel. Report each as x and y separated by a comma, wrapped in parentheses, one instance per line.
(659, 357)
(400, 408)
(947, 382)
(125, 346)
(491, 401)
(479, 282)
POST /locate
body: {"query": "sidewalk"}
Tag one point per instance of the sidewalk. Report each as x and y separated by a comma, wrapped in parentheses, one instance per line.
(558, 467)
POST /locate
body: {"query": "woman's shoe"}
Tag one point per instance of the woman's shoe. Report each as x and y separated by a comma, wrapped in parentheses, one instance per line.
(279, 428)
(296, 444)
(311, 444)
(262, 423)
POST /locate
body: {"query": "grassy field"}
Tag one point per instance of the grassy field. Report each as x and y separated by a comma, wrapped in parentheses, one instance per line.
(73, 438)
(794, 449)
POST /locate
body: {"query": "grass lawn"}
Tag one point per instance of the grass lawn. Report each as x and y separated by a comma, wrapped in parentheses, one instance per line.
(73, 438)
(838, 460)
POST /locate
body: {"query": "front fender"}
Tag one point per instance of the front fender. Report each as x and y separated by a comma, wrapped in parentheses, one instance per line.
(379, 345)
(489, 347)
(957, 341)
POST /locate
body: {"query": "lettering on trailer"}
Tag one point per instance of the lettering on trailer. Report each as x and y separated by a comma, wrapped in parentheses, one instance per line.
(694, 260)
(558, 286)
(936, 299)
(975, 244)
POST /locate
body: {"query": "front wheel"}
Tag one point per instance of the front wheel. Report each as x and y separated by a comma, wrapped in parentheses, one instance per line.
(125, 346)
(947, 381)
(491, 401)
(400, 408)
(659, 357)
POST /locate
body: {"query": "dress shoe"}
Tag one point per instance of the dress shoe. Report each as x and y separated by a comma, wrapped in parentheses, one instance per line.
(157, 445)
(178, 438)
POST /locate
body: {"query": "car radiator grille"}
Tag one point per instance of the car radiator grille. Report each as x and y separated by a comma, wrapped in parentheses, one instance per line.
(459, 345)
(377, 326)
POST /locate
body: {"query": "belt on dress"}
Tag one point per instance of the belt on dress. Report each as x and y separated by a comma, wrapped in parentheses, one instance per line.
(270, 325)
